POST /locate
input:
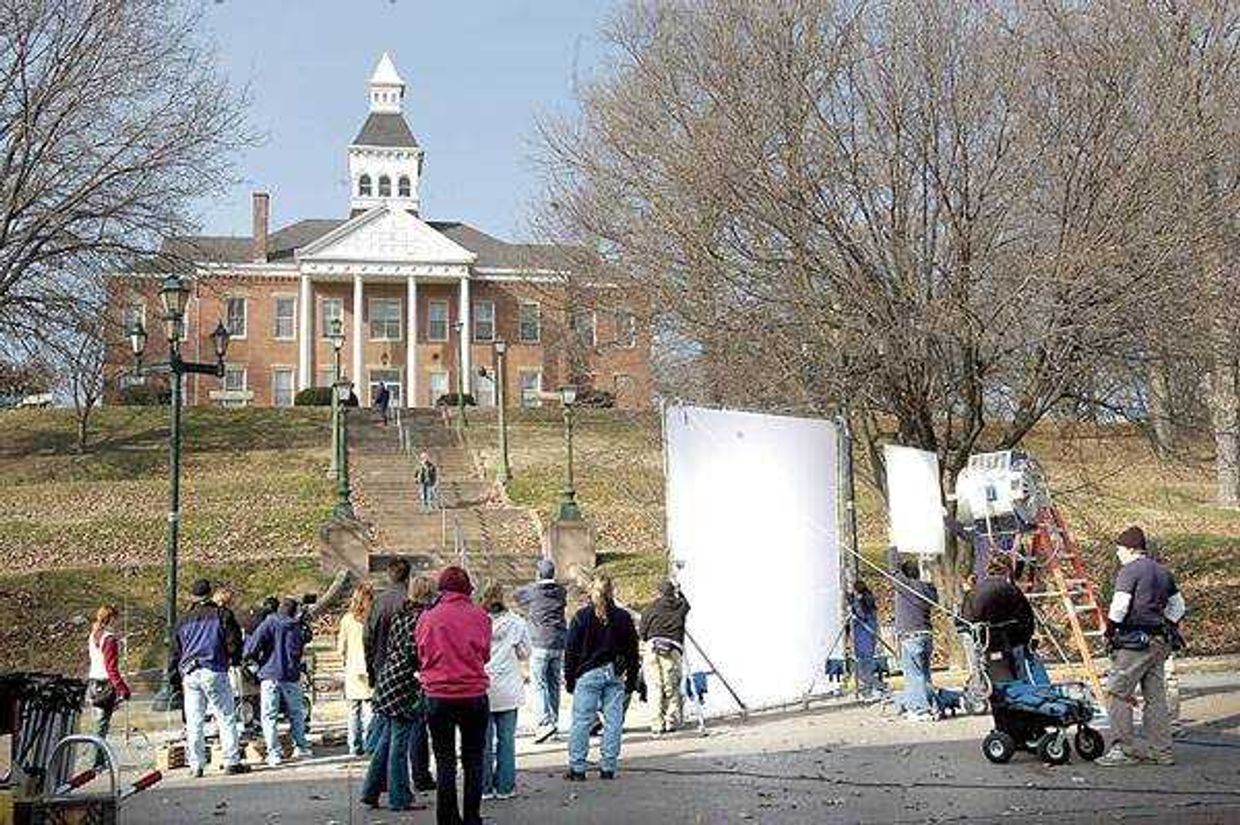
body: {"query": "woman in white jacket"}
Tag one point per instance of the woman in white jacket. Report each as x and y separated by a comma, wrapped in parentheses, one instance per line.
(510, 645)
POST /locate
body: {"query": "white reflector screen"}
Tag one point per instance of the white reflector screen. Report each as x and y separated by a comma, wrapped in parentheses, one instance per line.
(914, 502)
(751, 504)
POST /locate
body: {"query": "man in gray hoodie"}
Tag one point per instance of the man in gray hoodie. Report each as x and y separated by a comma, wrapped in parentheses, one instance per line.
(544, 602)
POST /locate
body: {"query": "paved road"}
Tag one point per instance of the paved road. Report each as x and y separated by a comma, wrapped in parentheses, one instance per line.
(819, 767)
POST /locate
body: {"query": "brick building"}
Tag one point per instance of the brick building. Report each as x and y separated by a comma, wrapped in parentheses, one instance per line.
(406, 290)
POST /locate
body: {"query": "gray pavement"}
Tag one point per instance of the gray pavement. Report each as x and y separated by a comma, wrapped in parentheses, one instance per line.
(823, 766)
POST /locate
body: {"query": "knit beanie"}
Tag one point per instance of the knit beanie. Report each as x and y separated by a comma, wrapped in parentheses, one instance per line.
(201, 589)
(455, 580)
(1133, 538)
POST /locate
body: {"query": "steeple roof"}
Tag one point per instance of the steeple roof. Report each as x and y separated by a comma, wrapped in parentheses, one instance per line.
(385, 73)
(386, 129)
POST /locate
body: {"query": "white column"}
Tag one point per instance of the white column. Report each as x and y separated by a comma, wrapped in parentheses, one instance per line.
(467, 333)
(411, 343)
(358, 378)
(305, 334)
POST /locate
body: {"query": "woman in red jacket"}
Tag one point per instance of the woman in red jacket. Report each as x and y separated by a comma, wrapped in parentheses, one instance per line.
(106, 688)
(454, 643)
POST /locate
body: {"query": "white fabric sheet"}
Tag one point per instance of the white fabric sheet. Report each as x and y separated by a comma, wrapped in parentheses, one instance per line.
(751, 504)
(914, 501)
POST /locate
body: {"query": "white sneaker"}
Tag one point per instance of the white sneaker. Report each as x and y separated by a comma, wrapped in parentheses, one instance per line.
(544, 733)
(1116, 758)
(508, 795)
(488, 796)
(303, 753)
(274, 761)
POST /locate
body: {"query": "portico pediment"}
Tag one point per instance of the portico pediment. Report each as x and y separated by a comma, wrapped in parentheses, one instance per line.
(386, 235)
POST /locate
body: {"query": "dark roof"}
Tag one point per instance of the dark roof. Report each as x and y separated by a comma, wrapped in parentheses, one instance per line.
(385, 130)
(281, 244)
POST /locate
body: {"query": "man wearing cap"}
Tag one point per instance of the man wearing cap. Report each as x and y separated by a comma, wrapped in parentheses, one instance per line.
(454, 644)
(663, 630)
(544, 602)
(206, 642)
(1141, 620)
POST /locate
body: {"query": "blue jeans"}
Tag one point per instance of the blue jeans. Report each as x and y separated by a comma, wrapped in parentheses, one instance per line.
(427, 492)
(915, 652)
(359, 726)
(389, 760)
(207, 690)
(595, 689)
(270, 694)
(546, 669)
(499, 765)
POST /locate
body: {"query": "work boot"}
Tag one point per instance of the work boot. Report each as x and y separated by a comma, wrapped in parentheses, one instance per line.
(238, 768)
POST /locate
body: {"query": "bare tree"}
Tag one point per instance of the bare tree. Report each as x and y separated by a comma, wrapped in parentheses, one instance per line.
(78, 352)
(114, 119)
(949, 215)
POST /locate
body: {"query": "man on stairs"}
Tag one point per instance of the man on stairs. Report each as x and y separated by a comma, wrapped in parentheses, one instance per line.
(427, 477)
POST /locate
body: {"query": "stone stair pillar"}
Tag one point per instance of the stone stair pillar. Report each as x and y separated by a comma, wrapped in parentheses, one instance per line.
(570, 544)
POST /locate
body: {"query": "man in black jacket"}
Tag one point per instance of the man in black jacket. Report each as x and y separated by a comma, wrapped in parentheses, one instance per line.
(205, 644)
(663, 631)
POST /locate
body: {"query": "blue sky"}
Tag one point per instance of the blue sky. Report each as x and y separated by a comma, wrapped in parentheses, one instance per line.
(478, 74)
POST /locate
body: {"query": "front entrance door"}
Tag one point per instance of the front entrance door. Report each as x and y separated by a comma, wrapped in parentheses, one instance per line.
(389, 377)
(439, 386)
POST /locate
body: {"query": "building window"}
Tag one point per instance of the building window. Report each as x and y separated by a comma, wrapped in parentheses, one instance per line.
(286, 317)
(332, 310)
(484, 320)
(529, 323)
(391, 380)
(385, 186)
(385, 319)
(484, 389)
(235, 312)
(402, 186)
(583, 328)
(133, 315)
(626, 329)
(282, 387)
(437, 321)
(531, 387)
(363, 186)
(438, 387)
(234, 385)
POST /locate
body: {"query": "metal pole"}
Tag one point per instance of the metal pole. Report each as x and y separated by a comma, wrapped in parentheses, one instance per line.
(335, 468)
(569, 511)
(344, 507)
(168, 697)
(850, 492)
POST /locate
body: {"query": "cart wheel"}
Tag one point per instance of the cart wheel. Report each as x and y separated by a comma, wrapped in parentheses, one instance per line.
(1053, 748)
(998, 747)
(1089, 743)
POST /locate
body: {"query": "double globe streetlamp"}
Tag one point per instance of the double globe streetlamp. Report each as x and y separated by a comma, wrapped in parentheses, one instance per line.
(569, 509)
(340, 394)
(174, 295)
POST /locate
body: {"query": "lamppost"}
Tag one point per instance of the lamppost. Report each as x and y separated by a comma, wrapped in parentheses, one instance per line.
(174, 294)
(340, 436)
(501, 349)
(569, 511)
(460, 373)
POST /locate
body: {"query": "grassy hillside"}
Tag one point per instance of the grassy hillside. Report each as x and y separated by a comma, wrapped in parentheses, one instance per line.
(79, 529)
(1102, 479)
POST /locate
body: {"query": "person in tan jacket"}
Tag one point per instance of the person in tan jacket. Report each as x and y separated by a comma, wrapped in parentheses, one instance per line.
(350, 644)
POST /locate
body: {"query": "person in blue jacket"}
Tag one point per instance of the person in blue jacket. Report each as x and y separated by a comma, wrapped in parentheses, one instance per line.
(277, 646)
(863, 621)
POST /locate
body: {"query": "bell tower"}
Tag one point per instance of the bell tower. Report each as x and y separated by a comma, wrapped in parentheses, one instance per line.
(385, 161)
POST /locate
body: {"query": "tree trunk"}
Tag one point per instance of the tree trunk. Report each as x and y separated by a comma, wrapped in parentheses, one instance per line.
(1224, 402)
(1160, 408)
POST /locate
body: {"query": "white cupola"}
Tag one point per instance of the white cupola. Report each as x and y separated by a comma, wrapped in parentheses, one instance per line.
(385, 161)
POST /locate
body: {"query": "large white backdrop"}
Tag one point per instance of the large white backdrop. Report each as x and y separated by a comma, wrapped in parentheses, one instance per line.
(751, 511)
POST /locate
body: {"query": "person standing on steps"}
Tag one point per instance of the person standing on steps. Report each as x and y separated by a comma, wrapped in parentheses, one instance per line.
(663, 631)
(544, 603)
(1142, 631)
(205, 643)
(277, 646)
(601, 665)
(383, 396)
(106, 687)
(351, 647)
(454, 644)
(427, 476)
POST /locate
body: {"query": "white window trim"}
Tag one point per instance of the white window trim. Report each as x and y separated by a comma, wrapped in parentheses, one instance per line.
(325, 319)
(245, 315)
(400, 318)
(244, 369)
(537, 339)
(292, 372)
(399, 382)
(621, 314)
(276, 297)
(521, 386)
(430, 384)
(447, 322)
(474, 317)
